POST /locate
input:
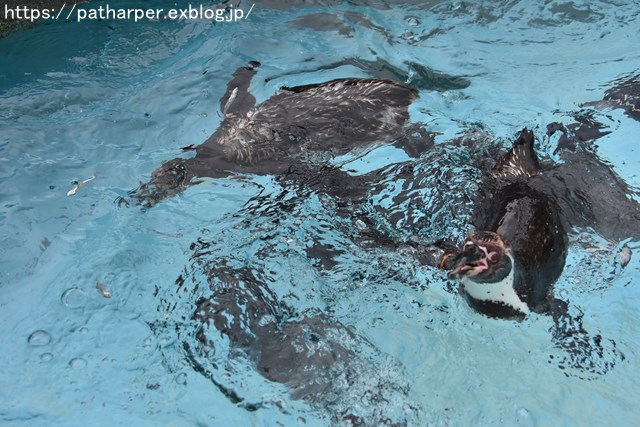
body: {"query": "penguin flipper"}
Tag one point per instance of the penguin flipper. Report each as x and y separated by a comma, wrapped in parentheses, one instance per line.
(521, 161)
(591, 195)
(237, 100)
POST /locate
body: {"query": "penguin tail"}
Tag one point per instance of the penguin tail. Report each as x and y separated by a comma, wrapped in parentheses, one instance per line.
(521, 161)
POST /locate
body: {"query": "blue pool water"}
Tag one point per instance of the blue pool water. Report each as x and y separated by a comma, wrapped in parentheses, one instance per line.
(114, 99)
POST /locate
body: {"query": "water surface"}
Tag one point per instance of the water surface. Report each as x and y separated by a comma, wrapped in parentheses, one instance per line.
(114, 99)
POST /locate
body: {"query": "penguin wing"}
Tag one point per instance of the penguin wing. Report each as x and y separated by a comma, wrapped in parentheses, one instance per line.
(521, 161)
(590, 194)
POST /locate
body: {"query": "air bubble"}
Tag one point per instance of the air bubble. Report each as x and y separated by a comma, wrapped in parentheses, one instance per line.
(266, 319)
(73, 297)
(77, 363)
(412, 21)
(39, 338)
(407, 35)
(523, 412)
(46, 357)
(181, 378)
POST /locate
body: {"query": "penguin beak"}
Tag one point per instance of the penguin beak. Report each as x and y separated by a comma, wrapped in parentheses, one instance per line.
(468, 263)
(461, 267)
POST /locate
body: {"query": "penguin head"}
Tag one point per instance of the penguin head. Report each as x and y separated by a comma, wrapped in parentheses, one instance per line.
(484, 258)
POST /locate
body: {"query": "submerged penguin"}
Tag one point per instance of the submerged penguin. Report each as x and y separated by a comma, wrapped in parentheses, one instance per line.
(508, 266)
(291, 127)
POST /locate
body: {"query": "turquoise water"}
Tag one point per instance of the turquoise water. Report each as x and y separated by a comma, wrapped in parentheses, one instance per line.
(114, 99)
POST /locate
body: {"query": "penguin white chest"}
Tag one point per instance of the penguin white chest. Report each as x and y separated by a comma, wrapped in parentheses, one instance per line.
(498, 292)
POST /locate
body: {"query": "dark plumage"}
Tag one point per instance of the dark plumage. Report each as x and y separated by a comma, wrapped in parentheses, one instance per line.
(291, 127)
(521, 245)
(508, 268)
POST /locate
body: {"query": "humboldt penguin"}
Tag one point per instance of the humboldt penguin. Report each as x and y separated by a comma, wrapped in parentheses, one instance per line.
(508, 266)
(300, 125)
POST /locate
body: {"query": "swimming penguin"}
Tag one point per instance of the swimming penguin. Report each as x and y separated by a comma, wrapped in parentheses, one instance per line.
(507, 267)
(331, 118)
(236, 317)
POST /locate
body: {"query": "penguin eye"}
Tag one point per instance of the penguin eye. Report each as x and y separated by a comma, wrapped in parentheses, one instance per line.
(492, 256)
(467, 244)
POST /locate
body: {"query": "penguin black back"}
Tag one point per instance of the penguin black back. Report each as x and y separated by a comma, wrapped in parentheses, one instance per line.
(295, 126)
(510, 263)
